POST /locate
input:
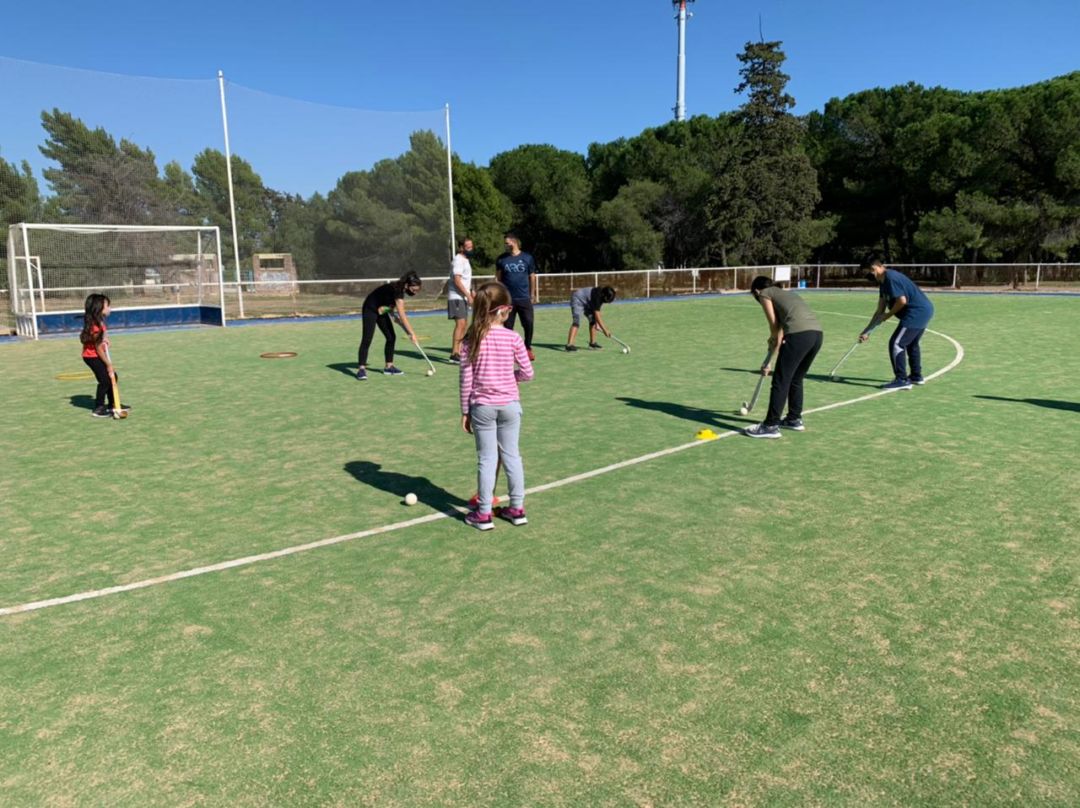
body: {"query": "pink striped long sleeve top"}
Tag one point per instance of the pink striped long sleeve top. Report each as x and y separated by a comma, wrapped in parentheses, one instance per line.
(493, 377)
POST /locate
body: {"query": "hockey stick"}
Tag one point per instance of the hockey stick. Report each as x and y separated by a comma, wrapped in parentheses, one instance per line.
(118, 410)
(748, 406)
(850, 351)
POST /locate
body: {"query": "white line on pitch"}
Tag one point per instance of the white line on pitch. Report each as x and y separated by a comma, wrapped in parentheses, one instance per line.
(431, 517)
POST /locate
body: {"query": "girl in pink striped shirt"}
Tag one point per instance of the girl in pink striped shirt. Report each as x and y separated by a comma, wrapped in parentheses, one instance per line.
(493, 361)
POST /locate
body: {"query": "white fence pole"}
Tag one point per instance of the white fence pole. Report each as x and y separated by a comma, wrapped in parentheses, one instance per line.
(221, 274)
(232, 197)
(954, 276)
(1038, 272)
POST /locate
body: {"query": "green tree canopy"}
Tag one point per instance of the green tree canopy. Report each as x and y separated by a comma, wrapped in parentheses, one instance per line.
(550, 192)
(390, 219)
(761, 210)
(20, 200)
(98, 180)
(483, 213)
(252, 205)
(684, 159)
(632, 240)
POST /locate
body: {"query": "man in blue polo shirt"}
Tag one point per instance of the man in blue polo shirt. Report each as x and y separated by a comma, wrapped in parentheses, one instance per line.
(516, 270)
(901, 298)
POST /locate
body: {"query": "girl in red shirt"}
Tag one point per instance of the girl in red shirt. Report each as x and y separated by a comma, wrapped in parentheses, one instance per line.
(95, 353)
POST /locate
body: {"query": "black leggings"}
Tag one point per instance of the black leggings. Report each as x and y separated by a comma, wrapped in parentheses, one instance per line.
(104, 383)
(372, 319)
(792, 364)
(525, 308)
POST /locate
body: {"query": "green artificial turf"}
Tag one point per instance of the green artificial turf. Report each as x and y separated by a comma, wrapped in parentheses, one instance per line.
(881, 610)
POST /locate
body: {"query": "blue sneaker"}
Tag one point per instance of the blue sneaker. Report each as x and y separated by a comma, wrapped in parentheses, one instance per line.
(794, 424)
(897, 384)
(393, 371)
(361, 375)
(916, 380)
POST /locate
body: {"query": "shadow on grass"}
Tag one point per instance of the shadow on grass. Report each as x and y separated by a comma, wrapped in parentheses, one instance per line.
(551, 346)
(401, 484)
(1053, 404)
(854, 381)
(84, 402)
(348, 368)
(698, 415)
(753, 371)
(414, 354)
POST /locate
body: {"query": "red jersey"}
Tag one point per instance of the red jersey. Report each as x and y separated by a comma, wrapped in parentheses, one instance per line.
(89, 350)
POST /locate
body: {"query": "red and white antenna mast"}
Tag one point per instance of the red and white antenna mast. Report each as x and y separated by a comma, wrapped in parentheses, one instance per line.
(680, 75)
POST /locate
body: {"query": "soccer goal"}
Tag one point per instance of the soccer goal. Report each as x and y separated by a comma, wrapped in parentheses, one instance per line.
(154, 275)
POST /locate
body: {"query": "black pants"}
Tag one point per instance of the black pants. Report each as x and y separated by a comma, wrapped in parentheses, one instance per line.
(905, 341)
(792, 364)
(383, 321)
(525, 309)
(104, 383)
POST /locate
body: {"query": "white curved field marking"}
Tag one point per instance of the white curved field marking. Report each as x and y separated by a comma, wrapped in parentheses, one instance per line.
(431, 517)
(956, 361)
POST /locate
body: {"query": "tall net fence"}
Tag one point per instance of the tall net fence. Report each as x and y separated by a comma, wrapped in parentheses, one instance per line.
(7, 316)
(328, 192)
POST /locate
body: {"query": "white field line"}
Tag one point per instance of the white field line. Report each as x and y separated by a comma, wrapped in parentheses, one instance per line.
(431, 517)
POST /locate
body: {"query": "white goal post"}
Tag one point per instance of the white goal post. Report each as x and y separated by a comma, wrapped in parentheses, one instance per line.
(153, 275)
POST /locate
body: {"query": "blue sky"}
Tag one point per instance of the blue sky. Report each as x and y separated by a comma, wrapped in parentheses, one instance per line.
(553, 71)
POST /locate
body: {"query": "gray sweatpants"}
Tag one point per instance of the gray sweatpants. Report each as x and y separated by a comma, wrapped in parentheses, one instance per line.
(496, 430)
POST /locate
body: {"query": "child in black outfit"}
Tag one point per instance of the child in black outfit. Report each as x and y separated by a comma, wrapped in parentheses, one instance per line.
(390, 297)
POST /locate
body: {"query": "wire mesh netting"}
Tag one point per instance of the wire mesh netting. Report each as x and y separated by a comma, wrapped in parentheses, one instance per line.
(53, 267)
(338, 192)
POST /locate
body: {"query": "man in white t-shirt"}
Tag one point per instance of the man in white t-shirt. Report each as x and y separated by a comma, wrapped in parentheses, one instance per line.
(459, 296)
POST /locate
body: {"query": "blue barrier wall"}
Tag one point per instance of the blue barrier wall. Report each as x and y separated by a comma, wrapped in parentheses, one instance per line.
(151, 317)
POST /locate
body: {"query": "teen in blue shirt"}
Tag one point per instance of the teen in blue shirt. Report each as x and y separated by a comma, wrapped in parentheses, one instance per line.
(516, 270)
(900, 297)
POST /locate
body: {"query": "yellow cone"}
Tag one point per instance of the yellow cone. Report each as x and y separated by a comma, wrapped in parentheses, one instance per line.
(706, 434)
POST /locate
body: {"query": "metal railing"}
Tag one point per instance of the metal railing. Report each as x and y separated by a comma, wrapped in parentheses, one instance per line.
(313, 298)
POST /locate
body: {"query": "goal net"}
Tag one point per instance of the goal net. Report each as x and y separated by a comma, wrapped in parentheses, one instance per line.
(153, 275)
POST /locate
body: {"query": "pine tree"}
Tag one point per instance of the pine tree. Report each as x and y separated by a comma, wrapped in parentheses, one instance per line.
(761, 210)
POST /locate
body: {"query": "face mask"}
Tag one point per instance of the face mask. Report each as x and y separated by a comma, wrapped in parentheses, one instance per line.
(469, 253)
(410, 291)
